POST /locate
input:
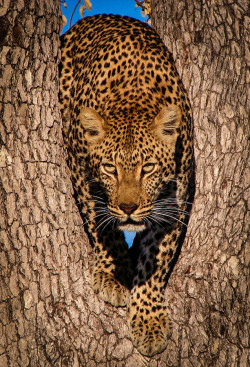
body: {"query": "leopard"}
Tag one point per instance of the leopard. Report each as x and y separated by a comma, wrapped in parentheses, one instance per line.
(128, 133)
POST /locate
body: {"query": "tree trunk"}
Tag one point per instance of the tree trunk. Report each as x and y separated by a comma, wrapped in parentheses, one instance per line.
(208, 292)
(49, 314)
(43, 248)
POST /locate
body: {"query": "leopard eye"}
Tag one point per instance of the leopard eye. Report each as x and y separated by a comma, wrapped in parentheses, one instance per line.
(148, 168)
(109, 168)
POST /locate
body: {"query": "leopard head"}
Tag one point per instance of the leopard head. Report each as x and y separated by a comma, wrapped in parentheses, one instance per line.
(133, 163)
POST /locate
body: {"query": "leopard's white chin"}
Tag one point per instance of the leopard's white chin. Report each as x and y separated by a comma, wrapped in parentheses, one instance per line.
(131, 227)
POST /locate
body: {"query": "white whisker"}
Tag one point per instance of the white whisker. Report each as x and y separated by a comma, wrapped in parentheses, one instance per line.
(159, 220)
(163, 215)
(106, 219)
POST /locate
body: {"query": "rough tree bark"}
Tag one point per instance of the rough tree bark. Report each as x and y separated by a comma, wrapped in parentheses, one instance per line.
(49, 315)
(208, 292)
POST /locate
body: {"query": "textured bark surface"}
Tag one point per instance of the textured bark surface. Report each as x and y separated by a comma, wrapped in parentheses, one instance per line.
(208, 292)
(41, 284)
(49, 315)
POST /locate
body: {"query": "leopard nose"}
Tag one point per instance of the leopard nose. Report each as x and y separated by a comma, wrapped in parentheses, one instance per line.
(128, 208)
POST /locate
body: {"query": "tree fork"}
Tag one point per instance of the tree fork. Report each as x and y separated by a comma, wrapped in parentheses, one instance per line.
(49, 314)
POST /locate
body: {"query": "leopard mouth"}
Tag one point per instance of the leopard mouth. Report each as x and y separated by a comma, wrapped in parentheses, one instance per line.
(134, 222)
(132, 226)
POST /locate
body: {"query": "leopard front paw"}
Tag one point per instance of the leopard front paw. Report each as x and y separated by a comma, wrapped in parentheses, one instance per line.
(149, 329)
(109, 289)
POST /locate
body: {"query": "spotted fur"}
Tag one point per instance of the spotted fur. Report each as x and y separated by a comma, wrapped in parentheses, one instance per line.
(128, 132)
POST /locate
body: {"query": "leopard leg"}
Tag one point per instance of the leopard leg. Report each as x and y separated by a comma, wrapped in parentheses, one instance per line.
(112, 275)
(148, 320)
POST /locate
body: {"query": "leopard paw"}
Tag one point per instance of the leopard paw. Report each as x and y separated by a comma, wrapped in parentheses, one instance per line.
(109, 289)
(149, 331)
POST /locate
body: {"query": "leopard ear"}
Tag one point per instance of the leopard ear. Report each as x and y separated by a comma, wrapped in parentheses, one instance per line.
(93, 125)
(166, 123)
